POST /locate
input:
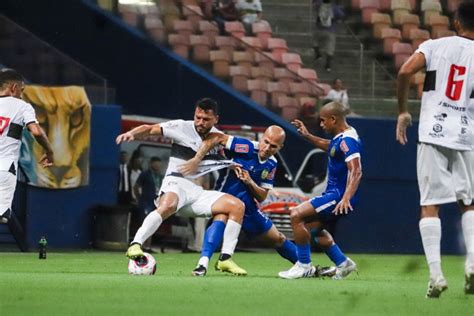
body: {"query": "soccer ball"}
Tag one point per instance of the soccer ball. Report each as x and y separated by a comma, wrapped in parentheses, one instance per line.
(145, 265)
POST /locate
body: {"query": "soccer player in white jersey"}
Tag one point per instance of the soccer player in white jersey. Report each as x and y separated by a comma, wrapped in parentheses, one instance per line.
(445, 155)
(179, 194)
(15, 114)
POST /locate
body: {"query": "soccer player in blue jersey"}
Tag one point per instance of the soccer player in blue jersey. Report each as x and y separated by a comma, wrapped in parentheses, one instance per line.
(344, 174)
(249, 181)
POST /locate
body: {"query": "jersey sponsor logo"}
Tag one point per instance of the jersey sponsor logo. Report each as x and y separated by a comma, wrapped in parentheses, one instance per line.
(344, 147)
(242, 148)
(455, 83)
(440, 117)
(451, 106)
(4, 121)
(437, 128)
(464, 120)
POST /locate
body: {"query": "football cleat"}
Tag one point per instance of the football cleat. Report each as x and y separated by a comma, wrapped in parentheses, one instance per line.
(469, 286)
(436, 287)
(299, 270)
(200, 271)
(135, 251)
(230, 266)
(344, 269)
(322, 272)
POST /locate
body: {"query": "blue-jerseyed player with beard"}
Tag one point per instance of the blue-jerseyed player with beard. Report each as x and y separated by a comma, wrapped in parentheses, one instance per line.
(344, 174)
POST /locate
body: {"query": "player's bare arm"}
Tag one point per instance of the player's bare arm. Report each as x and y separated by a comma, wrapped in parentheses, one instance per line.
(414, 64)
(259, 193)
(47, 159)
(318, 142)
(355, 174)
(211, 140)
(139, 132)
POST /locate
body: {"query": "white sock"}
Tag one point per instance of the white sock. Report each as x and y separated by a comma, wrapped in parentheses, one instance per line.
(430, 230)
(468, 232)
(203, 261)
(231, 237)
(150, 225)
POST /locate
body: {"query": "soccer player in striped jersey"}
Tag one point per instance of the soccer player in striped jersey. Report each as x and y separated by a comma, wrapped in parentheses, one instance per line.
(445, 154)
(344, 174)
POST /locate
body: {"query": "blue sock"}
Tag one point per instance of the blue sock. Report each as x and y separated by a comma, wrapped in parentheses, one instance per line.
(212, 238)
(288, 251)
(304, 253)
(335, 254)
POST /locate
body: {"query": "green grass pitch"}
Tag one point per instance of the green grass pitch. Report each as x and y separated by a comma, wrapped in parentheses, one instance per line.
(97, 283)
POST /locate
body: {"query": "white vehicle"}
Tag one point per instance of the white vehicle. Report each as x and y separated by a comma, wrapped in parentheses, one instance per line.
(289, 190)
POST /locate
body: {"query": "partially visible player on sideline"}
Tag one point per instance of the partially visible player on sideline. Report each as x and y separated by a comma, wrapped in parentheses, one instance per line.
(250, 182)
(445, 155)
(344, 174)
(15, 114)
(179, 194)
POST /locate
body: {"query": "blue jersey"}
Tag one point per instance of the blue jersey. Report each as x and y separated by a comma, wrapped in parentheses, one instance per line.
(245, 153)
(343, 148)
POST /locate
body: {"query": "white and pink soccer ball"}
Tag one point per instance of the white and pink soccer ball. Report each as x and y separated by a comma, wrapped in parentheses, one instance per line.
(145, 265)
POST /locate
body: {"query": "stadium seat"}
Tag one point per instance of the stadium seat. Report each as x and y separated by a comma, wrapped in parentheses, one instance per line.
(308, 74)
(155, 28)
(258, 91)
(183, 27)
(262, 73)
(170, 15)
(220, 63)
(201, 48)
(399, 9)
(129, 14)
(292, 61)
(210, 30)
(390, 36)
(409, 22)
(283, 75)
(418, 80)
(444, 33)
(438, 23)
(239, 75)
(244, 59)
(278, 47)
(263, 31)
(385, 5)
(235, 29)
(355, 5)
(368, 7)
(251, 43)
(452, 5)
(308, 106)
(276, 90)
(180, 44)
(289, 107)
(301, 89)
(326, 88)
(193, 14)
(151, 11)
(418, 36)
(225, 43)
(379, 22)
(401, 51)
(429, 9)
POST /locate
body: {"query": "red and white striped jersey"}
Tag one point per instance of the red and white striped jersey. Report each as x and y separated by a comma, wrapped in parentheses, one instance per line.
(15, 114)
(447, 105)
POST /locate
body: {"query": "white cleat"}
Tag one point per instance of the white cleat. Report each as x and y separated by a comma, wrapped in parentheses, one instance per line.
(299, 270)
(436, 287)
(469, 273)
(344, 269)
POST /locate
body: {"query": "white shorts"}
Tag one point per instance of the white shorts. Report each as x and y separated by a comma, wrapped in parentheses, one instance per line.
(444, 175)
(193, 201)
(7, 190)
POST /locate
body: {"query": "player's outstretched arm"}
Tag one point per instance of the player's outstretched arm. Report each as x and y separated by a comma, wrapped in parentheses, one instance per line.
(48, 157)
(139, 132)
(354, 175)
(414, 64)
(211, 140)
(319, 142)
(259, 193)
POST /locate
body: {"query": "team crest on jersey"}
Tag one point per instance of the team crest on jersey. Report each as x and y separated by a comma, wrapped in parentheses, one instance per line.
(264, 174)
(344, 147)
(333, 151)
(242, 148)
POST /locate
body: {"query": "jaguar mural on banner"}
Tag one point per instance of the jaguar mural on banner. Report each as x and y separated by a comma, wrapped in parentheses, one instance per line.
(64, 114)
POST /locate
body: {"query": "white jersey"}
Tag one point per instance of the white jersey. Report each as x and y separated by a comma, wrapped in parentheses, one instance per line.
(15, 114)
(447, 105)
(186, 142)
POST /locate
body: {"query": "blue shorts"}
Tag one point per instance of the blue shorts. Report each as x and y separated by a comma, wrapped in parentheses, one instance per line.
(256, 223)
(326, 203)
